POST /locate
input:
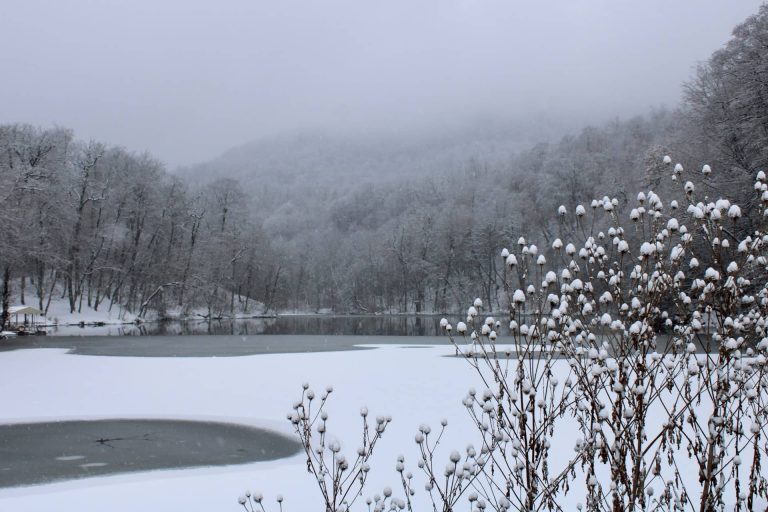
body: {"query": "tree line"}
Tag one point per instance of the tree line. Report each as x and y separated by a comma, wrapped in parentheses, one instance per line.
(108, 229)
(423, 242)
(314, 225)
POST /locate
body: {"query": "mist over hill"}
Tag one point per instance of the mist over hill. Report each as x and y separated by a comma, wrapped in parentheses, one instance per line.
(401, 222)
(377, 156)
(305, 181)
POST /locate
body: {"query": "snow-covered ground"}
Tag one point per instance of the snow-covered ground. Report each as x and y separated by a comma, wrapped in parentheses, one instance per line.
(414, 385)
(59, 313)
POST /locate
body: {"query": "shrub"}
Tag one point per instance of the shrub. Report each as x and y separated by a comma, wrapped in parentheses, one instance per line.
(647, 343)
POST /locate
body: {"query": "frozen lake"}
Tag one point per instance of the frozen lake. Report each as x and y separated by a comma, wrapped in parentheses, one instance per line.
(244, 380)
(209, 346)
(54, 382)
(68, 422)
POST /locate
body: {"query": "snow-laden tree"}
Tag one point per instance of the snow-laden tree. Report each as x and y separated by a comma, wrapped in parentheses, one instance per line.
(30, 163)
(640, 337)
(726, 97)
(106, 228)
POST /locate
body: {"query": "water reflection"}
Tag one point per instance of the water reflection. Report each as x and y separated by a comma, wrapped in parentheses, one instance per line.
(381, 325)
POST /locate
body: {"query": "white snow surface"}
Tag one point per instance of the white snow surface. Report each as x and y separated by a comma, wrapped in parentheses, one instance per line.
(414, 385)
(59, 313)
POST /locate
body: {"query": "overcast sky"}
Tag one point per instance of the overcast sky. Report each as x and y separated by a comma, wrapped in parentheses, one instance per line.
(187, 79)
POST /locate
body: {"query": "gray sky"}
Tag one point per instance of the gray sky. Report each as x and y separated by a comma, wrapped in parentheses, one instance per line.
(187, 79)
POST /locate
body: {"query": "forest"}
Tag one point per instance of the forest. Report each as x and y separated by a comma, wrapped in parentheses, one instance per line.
(314, 222)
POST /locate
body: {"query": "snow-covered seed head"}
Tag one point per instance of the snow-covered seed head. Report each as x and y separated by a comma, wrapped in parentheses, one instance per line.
(706, 169)
(622, 246)
(667, 160)
(672, 224)
(647, 249)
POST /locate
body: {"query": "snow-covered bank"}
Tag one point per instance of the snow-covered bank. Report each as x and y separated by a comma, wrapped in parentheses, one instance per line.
(59, 312)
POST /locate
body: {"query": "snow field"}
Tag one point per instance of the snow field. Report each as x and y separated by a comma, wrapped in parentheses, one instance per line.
(414, 386)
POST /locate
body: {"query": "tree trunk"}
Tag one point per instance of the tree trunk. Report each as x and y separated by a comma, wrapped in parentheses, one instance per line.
(6, 297)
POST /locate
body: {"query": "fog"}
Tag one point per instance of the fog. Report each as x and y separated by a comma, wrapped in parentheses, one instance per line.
(187, 79)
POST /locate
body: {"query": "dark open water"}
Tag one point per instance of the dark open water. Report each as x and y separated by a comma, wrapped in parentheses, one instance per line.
(380, 325)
